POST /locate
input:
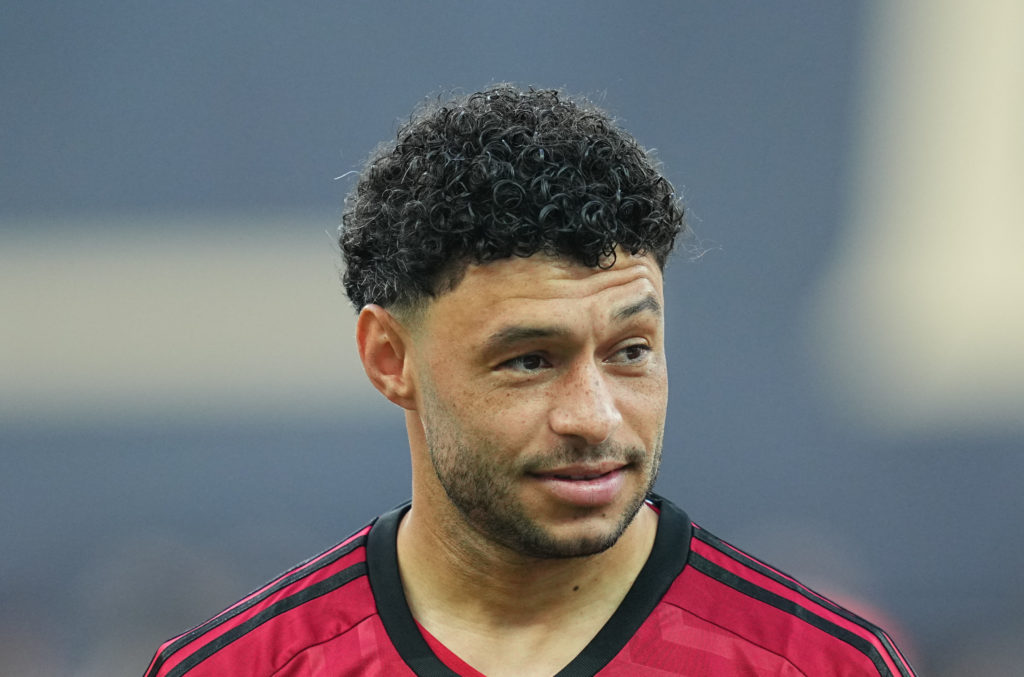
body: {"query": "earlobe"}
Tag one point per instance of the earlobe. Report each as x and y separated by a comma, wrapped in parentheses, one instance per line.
(383, 349)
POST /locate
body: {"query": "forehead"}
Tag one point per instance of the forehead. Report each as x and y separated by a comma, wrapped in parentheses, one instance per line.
(542, 287)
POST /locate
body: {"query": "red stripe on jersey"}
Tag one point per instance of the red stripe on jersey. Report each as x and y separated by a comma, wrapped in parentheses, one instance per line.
(901, 663)
(806, 606)
(779, 632)
(265, 600)
(270, 643)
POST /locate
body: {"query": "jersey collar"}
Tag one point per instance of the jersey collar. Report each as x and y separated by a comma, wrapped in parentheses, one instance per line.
(667, 559)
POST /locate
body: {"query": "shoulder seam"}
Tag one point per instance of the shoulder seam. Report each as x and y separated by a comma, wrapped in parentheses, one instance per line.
(254, 598)
(765, 569)
(754, 591)
(338, 580)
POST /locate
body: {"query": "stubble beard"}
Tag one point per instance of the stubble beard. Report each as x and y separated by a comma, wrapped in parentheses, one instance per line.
(481, 483)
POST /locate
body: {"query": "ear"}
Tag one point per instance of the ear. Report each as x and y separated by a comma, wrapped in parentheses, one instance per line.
(383, 348)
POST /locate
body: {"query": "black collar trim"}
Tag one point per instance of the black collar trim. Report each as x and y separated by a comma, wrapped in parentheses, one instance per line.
(666, 561)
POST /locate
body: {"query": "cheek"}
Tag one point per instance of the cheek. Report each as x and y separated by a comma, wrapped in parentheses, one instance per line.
(497, 415)
(514, 409)
(644, 401)
(451, 385)
(513, 418)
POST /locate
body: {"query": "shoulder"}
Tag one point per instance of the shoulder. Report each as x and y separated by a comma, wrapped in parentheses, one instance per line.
(735, 595)
(308, 605)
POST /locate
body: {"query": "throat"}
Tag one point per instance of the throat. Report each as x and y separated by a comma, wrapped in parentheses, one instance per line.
(495, 611)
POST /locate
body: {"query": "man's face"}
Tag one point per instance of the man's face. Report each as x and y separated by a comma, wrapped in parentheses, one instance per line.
(542, 398)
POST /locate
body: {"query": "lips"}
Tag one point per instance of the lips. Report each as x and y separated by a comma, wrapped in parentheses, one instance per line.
(583, 485)
(577, 477)
(581, 472)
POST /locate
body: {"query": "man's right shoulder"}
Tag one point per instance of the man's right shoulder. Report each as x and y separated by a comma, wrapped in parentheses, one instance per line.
(311, 604)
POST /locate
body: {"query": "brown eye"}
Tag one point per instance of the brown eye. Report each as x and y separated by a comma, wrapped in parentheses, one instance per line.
(631, 354)
(528, 362)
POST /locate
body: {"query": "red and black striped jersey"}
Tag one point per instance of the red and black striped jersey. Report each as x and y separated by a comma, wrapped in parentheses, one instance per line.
(699, 607)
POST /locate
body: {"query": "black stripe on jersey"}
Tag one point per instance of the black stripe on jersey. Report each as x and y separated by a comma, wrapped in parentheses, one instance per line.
(755, 591)
(743, 558)
(312, 565)
(304, 595)
(666, 561)
(392, 606)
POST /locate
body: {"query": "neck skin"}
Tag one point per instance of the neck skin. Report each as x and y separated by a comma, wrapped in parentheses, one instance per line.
(498, 610)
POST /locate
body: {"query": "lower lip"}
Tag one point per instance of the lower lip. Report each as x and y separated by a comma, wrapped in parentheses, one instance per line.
(590, 493)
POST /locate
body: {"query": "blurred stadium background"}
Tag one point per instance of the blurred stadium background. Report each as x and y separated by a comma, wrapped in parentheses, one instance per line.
(181, 411)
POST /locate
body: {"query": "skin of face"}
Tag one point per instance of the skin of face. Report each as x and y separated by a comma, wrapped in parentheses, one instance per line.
(541, 389)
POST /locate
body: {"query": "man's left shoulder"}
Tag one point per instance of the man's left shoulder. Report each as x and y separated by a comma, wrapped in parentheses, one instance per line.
(755, 607)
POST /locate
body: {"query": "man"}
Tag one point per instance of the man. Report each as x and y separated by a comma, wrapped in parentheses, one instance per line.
(505, 256)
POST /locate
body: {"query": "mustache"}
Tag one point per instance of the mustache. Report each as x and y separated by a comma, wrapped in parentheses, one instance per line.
(601, 453)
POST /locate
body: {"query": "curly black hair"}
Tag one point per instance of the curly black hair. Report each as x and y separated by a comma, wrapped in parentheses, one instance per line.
(499, 173)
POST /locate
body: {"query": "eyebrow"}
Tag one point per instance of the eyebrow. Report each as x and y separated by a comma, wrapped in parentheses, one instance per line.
(513, 334)
(648, 303)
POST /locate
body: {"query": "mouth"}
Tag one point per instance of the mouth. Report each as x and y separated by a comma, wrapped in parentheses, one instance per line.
(584, 485)
(576, 478)
(581, 473)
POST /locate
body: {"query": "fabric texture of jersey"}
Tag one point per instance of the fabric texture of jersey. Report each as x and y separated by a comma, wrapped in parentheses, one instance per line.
(699, 607)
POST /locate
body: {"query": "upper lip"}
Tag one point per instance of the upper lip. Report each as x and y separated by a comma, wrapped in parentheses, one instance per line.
(588, 470)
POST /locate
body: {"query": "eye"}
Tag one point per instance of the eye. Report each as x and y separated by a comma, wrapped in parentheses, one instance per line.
(527, 363)
(635, 353)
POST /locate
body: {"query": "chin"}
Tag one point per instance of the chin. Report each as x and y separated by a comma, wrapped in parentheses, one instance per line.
(585, 537)
(579, 547)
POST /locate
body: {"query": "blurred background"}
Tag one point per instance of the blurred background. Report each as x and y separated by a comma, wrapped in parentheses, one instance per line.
(181, 411)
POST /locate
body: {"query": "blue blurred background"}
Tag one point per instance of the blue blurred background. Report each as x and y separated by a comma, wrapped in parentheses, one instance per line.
(181, 411)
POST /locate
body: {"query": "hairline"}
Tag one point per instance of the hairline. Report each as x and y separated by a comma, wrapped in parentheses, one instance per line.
(410, 313)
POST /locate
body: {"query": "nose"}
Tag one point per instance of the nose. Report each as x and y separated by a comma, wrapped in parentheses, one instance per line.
(584, 407)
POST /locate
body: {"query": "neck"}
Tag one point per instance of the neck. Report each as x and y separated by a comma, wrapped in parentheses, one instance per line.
(483, 585)
(501, 611)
